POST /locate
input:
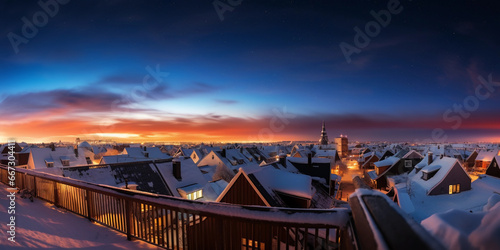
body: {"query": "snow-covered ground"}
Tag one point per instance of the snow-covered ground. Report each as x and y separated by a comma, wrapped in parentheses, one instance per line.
(473, 200)
(41, 225)
(458, 229)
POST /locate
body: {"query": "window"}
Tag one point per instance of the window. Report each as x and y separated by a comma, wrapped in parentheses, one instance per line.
(195, 195)
(252, 244)
(50, 164)
(408, 164)
(454, 189)
(65, 162)
(428, 175)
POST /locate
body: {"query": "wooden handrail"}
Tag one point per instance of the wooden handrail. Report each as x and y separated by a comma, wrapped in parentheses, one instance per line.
(172, 222)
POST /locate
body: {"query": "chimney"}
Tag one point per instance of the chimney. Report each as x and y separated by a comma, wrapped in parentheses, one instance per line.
(283, 159)
(223, 153)
(429, 158)
(176, 168)
(241, 150)
(53, 147)
(309, 160)
(76, 151)
(145, 149)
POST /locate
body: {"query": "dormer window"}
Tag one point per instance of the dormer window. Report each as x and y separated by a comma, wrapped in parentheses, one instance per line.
(65, 161)
(191, 192)
(427, 175)
(195, 195)
(49, 163)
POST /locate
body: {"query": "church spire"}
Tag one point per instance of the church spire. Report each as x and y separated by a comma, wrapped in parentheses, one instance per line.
(324, 138)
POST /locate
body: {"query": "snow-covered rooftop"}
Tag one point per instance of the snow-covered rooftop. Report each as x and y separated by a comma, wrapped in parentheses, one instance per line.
(389, 161)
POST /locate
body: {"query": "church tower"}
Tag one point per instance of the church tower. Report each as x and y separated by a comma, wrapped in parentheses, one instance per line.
(324, 138)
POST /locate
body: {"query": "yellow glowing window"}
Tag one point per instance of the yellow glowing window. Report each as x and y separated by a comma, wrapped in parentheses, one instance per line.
(195, 195)
(453, 189)
(252, 244)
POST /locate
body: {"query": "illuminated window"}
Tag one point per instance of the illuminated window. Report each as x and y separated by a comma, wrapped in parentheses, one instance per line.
(195, 195)
(252, 244)
(454, 189)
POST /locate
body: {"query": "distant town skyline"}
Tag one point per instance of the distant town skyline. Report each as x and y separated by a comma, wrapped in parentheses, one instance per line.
(269, 71)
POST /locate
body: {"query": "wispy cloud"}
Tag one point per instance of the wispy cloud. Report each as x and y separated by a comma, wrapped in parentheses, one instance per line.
(224, 101)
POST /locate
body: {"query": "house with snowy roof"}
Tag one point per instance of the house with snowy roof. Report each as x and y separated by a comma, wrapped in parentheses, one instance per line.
(325, 172)
(494, 169)
(440, 175)
(470, 160)
(300, 151)
(385, 154)
(182, 151)
(366, 161)
(230, 159)
(21, 157)
(401, 162)
(185, 180)
(359, 151)
(269, 187)
(56, 158)
(484, 159)
(141, 176)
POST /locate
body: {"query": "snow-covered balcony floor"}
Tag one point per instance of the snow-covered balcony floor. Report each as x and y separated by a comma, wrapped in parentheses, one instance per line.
(40, 224)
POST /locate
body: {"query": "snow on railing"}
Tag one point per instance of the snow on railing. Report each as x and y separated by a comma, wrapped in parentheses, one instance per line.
(176, 223)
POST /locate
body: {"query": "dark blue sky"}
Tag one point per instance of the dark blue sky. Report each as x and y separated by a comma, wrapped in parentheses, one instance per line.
(85, 69)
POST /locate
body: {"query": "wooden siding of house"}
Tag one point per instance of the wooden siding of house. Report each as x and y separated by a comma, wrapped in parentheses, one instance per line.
(380, 170)
(482, 164)
(457, 175)
(368, 164)
(493, 169)
(242, 193)
(470, 161)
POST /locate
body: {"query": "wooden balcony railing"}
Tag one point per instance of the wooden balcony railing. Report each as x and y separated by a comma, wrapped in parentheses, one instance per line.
(174, 223)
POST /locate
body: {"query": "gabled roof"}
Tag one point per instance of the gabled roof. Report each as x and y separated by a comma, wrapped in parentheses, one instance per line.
(234, 160)
(259, 191)
(190, 174)
(387, 162)
(486, 155)
(268, 182)
(41, 155)
(326, 153)
(443, 167)
(413, 152)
